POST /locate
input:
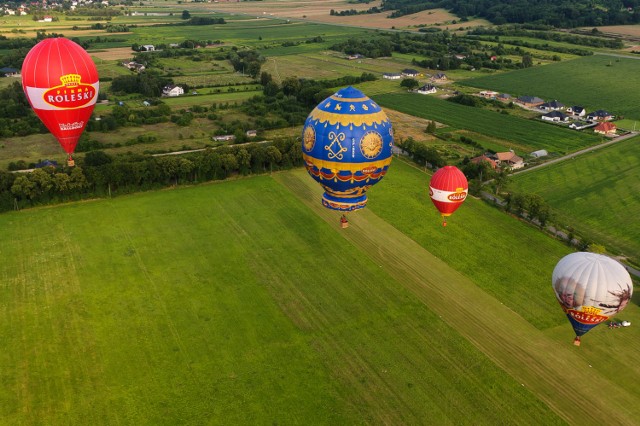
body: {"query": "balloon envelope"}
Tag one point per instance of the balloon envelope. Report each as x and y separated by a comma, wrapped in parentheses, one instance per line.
(346, 146)
(448, 188)
(61, 83)
(590, 288)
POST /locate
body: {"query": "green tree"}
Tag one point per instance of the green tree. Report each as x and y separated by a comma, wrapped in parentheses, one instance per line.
(186, 14)
(409, 83)
(527, 61)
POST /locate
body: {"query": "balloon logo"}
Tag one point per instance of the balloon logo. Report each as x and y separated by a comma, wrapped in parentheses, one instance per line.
(346, 147)
(61, 83)
(590, 288)
(448, 188)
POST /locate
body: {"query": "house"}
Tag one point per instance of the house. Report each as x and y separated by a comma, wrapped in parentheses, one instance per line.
(579, 125)
(606, 129)
(172, 90)
(480, 159)
(556, 116)
(392, 76)
(426, 89)
(223, 138)
(504, 97)
(47, 18)
(539, 153)
(9, 72)
(489, 94)
(134, 66)
(576, 110)
(251, 133)
(439, 76)
(46, 163)
(552, 106)
(600, 115)
(148, 47)
(146, 103)
(530, 101)
(509, 159)
(409, 72)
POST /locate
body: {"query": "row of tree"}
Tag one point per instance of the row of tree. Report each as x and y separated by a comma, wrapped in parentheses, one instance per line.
(98, 174)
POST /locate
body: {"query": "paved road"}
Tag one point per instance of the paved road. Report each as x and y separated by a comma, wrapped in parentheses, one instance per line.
(577, 153)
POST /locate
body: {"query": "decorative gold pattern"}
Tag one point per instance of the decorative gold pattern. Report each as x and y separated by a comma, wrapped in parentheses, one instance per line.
(371, 144)
(345, 119)
(335, 152)
(309, 138)
(352, 167)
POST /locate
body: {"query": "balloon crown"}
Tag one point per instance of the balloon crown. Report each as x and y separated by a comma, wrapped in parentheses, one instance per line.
(591, 310)
(71, 79)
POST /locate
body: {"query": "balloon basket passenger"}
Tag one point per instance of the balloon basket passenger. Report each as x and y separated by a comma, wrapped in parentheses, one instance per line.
(70, 161)
(344, 223)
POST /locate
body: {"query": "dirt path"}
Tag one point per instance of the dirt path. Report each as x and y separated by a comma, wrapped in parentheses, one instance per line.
(553, 372)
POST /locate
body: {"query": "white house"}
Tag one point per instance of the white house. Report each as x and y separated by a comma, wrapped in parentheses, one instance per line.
(576, 110)
(148, 47)
(172, 90)
(392, 76)
(556, 116)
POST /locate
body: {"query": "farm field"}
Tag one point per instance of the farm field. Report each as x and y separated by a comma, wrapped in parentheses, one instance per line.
(595, 193)
(308, 323)
(595, 82)
(512, 132)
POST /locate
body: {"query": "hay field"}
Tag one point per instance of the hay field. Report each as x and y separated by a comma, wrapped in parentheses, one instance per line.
(319, 11)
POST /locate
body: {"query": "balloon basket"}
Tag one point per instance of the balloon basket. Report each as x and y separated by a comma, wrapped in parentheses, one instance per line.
(344, 225)
(70, 162)
(576, 341)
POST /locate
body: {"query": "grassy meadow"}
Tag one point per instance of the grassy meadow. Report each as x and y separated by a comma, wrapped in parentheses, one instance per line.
(243, 302)
(509, 131)
(595, 82)
(595, 193)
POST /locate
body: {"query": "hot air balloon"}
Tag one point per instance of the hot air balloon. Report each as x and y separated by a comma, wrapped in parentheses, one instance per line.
(346, 147)
(448, 188)
(61, 83)
(590, 288)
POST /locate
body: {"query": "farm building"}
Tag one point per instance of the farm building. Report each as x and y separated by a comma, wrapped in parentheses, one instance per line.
(556, 116)
(489, 94)
(600, 115)
(530, 101)
(148, 47)
(426, 89)
(539, 153)
(392, 76)
(251, 133)
(552, 106)
(172, 90)
(510, 159)
(481, 158)
(223, 138)
(607, 129)
(9, 72)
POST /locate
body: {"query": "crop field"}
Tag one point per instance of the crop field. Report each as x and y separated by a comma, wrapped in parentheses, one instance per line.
(595, 82)
(243, 302)
(520, 134)
(596, 193)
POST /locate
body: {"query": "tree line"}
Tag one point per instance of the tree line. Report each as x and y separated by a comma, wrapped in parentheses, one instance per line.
(99, 174)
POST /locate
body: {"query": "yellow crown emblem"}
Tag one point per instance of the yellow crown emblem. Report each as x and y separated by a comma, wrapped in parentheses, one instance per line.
(71, 79)
(591, 310)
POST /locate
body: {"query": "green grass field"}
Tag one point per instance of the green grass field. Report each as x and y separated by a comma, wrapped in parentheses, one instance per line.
(596, 193)
(243, 302)
(520, 134)
(595, 82)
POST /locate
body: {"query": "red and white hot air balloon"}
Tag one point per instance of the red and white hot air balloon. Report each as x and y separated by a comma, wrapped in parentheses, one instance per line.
(448, 189)
(61, 83)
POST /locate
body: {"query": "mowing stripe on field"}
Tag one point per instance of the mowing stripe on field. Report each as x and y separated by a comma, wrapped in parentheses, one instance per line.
(554, 372)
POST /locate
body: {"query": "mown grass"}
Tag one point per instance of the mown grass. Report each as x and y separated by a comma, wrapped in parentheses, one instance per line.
(595, 82)
(595, 193)
(224, 304)
(529, 135)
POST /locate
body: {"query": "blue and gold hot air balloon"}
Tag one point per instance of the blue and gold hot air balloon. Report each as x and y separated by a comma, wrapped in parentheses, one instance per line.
(346, 146)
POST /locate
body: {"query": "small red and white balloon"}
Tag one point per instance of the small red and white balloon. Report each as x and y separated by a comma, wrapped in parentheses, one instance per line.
(448, 188)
